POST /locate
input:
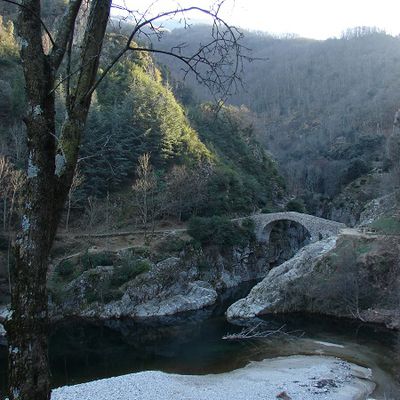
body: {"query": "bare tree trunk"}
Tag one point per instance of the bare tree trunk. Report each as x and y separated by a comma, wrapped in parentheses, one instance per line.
(48, 184)
(9, 238)
(27, 328)
(5, 212)
(27, 331)
(68, 211)
(11, 212)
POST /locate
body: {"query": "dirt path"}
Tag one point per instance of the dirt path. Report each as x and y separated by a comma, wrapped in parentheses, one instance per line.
(359, 232)
(121, 233)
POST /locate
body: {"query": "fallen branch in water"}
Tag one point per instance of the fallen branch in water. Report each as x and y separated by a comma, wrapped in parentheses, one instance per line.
(253, 332)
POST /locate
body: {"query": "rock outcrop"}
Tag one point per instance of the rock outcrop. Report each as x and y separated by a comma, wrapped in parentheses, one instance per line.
(275, 292)
(379, 207)
(349, 204)
(173, 285)
(353, 275)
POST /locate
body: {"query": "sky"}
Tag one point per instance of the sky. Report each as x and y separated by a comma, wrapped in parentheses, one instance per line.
(317, 19)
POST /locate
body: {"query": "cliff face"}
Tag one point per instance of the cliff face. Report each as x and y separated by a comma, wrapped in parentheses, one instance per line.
(283, 289)
(353, 275)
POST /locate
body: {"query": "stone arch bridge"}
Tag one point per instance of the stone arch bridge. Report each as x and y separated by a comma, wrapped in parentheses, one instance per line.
(318, 228)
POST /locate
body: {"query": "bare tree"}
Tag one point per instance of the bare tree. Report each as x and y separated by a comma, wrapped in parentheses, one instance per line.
(18, 145)
(5, 175)
(93, 213)
(16, 182)
(394, 151)
(76, 182)
(145, 190)
(52, 156)
(186, 189)
(11, 183)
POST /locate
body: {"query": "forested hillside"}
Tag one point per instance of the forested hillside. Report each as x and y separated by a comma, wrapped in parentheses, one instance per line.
(323, 108)
(197, 160)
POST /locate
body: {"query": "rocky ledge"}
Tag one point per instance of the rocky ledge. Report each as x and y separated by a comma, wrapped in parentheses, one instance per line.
(186, 282)
(290, 378)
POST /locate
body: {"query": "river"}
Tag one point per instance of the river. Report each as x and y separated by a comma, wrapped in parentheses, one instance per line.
(191, 343)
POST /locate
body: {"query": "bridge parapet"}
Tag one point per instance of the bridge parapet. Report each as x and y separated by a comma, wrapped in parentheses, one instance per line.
(319, 228)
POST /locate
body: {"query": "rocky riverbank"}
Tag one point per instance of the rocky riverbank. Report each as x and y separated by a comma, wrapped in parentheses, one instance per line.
(134, 283)
(295, 378)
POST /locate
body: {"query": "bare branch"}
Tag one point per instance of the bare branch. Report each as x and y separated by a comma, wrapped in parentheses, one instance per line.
(216, 64)
(68, 71)
(70, 74)
(253, 332)
(64, 33)
(107, 70)
(100, 153)
(35, 15)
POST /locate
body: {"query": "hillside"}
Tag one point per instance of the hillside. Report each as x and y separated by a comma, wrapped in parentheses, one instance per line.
(200, 161)
(323, 108)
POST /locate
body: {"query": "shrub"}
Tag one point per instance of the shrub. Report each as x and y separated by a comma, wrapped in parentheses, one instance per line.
(356, 169)
(111, 295)
(295, 205)
(143, 251)
(129, 269)
(93, 260)
(203, 265)
(266, 210)
(221, 231)
(65, 269)
(170, 245)
(363, 248)
(174, 245)
(387, 226)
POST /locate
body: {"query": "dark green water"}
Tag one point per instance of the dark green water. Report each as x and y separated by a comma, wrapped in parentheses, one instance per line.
(191, 344)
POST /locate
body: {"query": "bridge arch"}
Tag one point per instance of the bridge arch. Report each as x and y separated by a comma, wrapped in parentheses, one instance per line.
(284, 239)
(318, 228)
(289, 225)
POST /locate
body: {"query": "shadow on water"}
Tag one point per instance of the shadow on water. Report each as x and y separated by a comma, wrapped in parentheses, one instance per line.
(191, 344)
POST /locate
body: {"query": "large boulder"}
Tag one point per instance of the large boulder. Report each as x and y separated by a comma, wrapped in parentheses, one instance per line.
(276, 292)
(194, 296)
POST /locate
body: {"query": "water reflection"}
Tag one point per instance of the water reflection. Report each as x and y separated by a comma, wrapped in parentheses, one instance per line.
(191, 344)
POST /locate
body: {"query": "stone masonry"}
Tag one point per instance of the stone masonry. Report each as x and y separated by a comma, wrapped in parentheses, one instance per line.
(319, 228)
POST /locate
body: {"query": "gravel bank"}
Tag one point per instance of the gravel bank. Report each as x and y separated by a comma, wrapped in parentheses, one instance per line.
(300, 377)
